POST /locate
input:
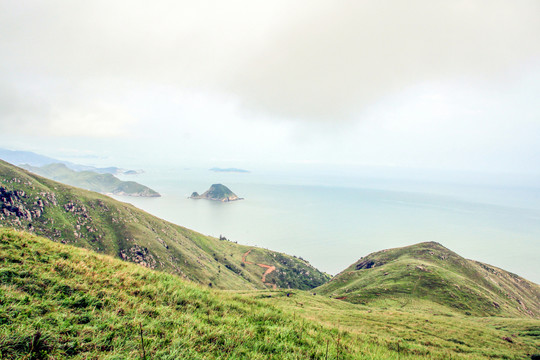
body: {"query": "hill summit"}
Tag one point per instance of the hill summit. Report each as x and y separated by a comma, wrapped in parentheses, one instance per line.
(430, 272)
(217, 192)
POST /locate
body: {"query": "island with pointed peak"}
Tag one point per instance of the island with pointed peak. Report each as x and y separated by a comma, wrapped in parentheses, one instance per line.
(217, 192)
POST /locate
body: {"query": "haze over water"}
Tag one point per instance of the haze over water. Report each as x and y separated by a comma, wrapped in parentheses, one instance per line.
(332, 221)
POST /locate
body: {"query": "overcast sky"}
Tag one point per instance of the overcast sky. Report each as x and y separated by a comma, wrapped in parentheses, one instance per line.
(420, 84)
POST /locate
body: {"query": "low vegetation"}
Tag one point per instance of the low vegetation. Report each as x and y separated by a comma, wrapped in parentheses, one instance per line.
(422, 330)
(59, 302)
(62, 302)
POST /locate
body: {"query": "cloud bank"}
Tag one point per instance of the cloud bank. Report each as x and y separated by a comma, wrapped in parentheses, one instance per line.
(450, 84)
(309, 60)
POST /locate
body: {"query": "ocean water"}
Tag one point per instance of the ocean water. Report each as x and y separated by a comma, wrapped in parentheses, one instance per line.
(333, 224)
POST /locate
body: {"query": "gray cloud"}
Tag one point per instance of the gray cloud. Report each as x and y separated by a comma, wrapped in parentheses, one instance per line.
(19, 112)
(441, 84)
(342, 57)
(293, 60)
(36, 111)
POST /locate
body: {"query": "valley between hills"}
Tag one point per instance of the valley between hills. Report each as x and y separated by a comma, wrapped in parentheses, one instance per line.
(84, 276)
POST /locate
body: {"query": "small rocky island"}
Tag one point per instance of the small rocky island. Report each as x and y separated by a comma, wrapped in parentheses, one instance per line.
(217, 192)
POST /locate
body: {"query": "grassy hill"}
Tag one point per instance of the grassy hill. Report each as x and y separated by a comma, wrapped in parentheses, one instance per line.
(90, 180)
(429, 271)
(94, 221)
(59, 302)
(62, 302)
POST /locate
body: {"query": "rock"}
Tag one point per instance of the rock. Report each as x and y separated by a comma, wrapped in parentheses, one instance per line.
(217, 192)
(139, 255)
(367, 264)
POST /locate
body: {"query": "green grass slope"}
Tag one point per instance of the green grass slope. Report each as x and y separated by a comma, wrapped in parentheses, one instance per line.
(429, 271)
(61, 302)
(421, 330)
(58, 302)
(90, 180)
(94, 221)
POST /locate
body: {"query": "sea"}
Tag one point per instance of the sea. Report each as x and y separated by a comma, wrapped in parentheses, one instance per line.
(333, 218)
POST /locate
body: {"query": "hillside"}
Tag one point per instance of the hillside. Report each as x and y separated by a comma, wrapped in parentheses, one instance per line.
(60, 302)
(429, 271)
(93, 181)
(94, 221)
(217, 192)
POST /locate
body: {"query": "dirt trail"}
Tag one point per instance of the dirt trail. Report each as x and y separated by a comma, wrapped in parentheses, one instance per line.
(244, 258)
(269, 269)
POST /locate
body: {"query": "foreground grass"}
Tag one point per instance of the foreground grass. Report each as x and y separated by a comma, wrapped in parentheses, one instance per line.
(423, 328)
(59, 302)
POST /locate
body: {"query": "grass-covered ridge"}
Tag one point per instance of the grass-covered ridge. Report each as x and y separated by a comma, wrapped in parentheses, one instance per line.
(90, 180)
(59, 302)
(431, 272)
(94, 221)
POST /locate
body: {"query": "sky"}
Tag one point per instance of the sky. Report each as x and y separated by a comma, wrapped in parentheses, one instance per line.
(446, 85)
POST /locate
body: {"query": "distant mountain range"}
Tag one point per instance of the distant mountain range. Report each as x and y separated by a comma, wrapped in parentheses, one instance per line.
(90, 180)
(33, 159)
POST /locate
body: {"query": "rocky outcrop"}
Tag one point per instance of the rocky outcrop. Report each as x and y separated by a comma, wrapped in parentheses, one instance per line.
(217, 192)
(139, 255)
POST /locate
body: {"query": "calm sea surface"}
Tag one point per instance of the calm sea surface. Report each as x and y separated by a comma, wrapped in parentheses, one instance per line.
(334, 225)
